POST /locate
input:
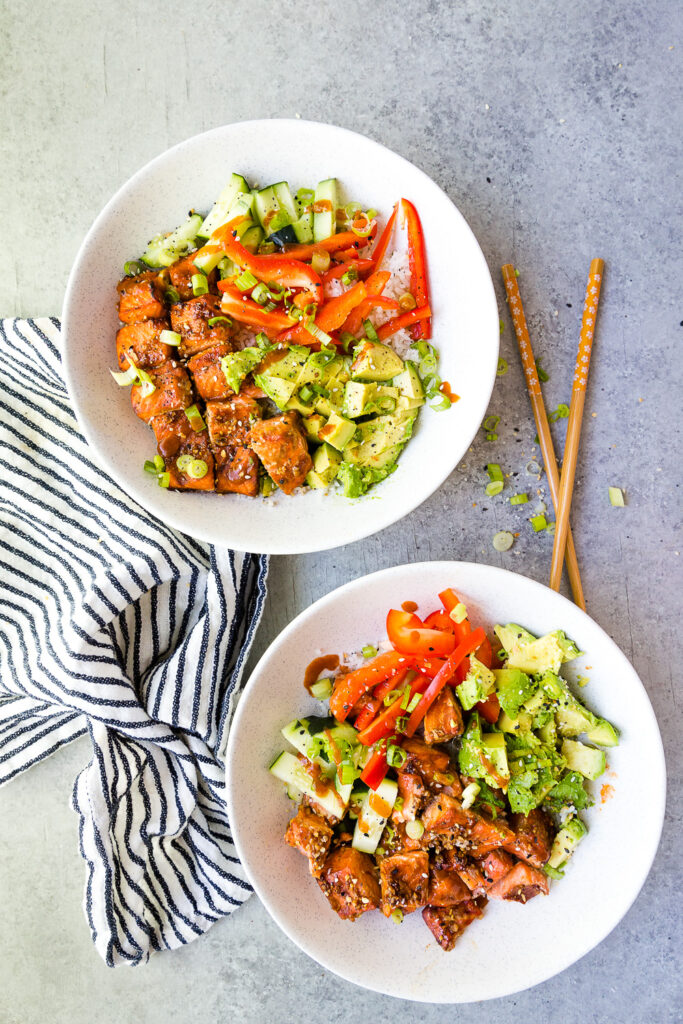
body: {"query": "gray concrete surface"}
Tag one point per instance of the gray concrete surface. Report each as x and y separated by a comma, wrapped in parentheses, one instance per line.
(554, 129)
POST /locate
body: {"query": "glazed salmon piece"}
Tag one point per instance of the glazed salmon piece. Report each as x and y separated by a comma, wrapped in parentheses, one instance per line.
(486, 834)
(141, 297)
(207, 372)
(349, 880)
(429, 762)
(443, 720)
(495, 866)
(446, 888)
(475, 833)
(444, 813)
(468, 871)
(172, 391)
(448, 923)
(171, 429)
(281, 446)
(191, 321)
(413, 793)
(230, 422)
(396, 840)
(176, 438)
(181, 273)
(142, 343)
(312, 836)
(533, 837)
(405, 881)
(237, 471)
(520, 885)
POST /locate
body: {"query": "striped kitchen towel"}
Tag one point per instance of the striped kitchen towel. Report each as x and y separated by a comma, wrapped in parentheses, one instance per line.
(113, 624)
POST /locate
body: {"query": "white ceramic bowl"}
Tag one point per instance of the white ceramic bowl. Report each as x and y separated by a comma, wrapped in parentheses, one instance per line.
(191, 175)
(525, 944)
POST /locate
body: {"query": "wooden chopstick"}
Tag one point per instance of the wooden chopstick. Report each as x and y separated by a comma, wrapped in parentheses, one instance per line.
(571, 447)
(542, 426)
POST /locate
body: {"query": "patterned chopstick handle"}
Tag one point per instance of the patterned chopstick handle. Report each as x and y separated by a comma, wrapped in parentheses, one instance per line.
(588, 320)
(521, 330)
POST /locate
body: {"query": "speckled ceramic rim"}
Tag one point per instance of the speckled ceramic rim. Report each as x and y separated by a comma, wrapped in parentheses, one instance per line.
(89, 324)
(621, 694)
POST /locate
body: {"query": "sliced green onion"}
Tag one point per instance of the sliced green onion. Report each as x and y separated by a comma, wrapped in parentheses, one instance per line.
(494, 471)
(320, 261)
(459, 613)
(306, 393)
(310, 310)
(195, 417)
(495, 487)
(347, 339)
(542, 375)
(322, 689)
(396, 756)
(147, 385)
(262, 340)
(267, 485)
(364, 231)
(317, 333)
(539, 523)
(561, 413)
(131, 268)
(164, 479)
(401, 723)
(519, 499)
(390, 697)
(170, 338)
(469, 795)
(172, 295)
(127, 377)
(491, 422)
(347, 774)
(443, 403)
(397, 916)
(616, 497)
(350, 275)
(197, 469)
(183, 461)
(200, 285)
(503, 540)
(227, 268)
(417, 697)
(550, 528)
(407, 301)
(372, 213)
(369, 651)
(502, 367)
(405, 699)
(246, 281)
(370, 332)
(260, 294)
(492, 436)
(159, 463)
(150, 467)
(415, 829)
(218, 320)
(351, 209)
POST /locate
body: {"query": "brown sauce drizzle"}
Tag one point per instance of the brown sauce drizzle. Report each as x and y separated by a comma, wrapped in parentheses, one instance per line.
(409, 606)
(326, 662)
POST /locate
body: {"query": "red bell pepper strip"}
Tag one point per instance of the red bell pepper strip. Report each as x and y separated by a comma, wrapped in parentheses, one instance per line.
(349, 688)
(469, 644)
(281, 270)
(450, 600)
(385, 722)
(429, 666)
(379, 252)
(339, 269)
(440, 620)
(248, 312)
(417, 259)
(335, 243)
(404, 320)
(374, 285)
(377, 767)
(370, 704)
(489, 708)
(329, 317)
(407, 634)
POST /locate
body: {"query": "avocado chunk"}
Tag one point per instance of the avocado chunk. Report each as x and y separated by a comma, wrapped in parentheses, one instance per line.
(364, 398)
(318, 369)
(564, 844)
(313, 425)
(603, 733)
(409, 384)
(522, 723)
(236, 365)
(377, 362)
(305, 408)
(382, 432)
(589, 761)
(483, 756)
(337, 431)
(479, 683)
(514, 688)
(382, 460)
(277, 389)
(290, 366)
(326, 463)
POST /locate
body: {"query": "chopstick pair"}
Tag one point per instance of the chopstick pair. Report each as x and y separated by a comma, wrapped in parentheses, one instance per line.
(561, 488)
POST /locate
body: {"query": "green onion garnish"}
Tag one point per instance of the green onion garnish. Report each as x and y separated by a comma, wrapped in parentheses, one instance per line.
(170, 338)
(320, 261)
(200, 285)
(401, 723)
(267, 485)
(519, 499)
(459, 613)
(503, 540)
(350, 275)
(347, 774)
(149, 467)
(147, 386)
(197, 469)
(443, 403)
(195, 417)
(351, 209)
(322, 689)
(492, 436)
(406, 301)
(396, 756)
(164, 479)
(364, 231)
(495, 472)
(390, 697)
(172, 295)
(218, 320)
(539, 523)
(397, 916)
(347, 339)
(317, 333)
(127, 377)
(131, 268)
(550, 528)
(262, 340)
(491, 422)
(414, 702)
(183, 461)
(616, 497)
(495, 487)
(370, 332)
(542, 375)
(306, 393)
(414, 829)
(159, 463)
(260, 294)
(561, 413)
(502, 367)
(246, 281)
(369, 651)
(227, 268)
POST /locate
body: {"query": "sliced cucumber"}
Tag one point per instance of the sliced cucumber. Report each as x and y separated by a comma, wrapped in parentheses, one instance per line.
(218, 215)
(286, 201)
(163, 250)
(290, 770)
(376, 807)
(298, 733)
(325, 217)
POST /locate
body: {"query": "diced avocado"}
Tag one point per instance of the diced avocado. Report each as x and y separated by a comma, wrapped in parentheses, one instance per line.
(338, 431)
(478, 684)
(572, 719)
(358, 457)
(317, 370)
(476, 749)
(290, 366)
(522, 723)
(589, 761)
(326, 463)
(603, 734)
(513, 635)
(535, 655)
(404, 404)
(278, 389)
(514, 688)
(312, 425)
(382, 432)
(333, 401)
(376, 361)
(409, 384)
(564, 844)
(236, 365)
(295, 403)
(493, 745)
(363, 398)
(548, 733)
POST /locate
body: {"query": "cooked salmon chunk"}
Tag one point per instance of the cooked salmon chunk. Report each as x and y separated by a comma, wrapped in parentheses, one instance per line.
(533, 837)
(141, 298)
(179, 444)
(191, 321)
(405, 881)
(230, 423)
(207, 372)
(521, 884)
(413, 793)
(448, 923)
(396, 840)
(465, 868)
(443, 720)
(446, 819)
(281, 446)
(349, 880)
(429, 762)
(172, 391)
(446, 888)
(237, 471)
(495, 865)
(142, 343)
(312, 836)
(181, 274)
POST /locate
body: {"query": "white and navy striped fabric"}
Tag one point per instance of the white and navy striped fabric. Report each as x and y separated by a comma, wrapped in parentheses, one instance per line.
(113, 624)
